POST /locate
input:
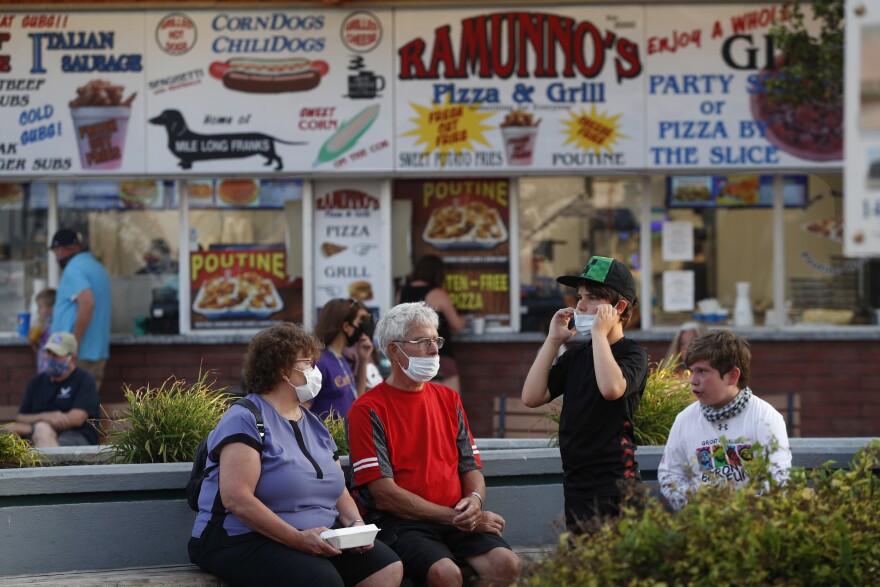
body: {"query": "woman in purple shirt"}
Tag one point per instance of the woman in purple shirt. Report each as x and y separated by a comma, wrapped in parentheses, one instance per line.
(342, 323)
(280, 493)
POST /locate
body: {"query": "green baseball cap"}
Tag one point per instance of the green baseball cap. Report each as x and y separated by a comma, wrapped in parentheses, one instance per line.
(608, 272)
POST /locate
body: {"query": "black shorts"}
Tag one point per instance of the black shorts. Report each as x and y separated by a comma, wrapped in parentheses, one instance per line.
(582, 512)
(253, 559)
(421, 544)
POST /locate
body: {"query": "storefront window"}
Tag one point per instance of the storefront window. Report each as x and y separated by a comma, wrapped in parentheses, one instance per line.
(132, 228)
(245, 251)
(563, 221)
(23, 254)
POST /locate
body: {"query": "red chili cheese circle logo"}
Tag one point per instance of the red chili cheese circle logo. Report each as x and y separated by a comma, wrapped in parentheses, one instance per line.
(176, 34)
(361, 32)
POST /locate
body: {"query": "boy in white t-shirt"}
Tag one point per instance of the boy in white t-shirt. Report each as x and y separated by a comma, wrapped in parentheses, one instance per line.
(712, 437)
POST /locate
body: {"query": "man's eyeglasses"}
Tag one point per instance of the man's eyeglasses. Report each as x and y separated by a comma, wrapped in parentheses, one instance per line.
(303, 364)
(425, 343)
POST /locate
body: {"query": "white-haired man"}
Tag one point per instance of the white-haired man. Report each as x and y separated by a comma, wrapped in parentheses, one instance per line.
(416, 467)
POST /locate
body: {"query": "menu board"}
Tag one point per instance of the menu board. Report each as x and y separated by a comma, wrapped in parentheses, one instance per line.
(734, 191)
(242, 287)
(269, 91)
(72, 97)
(347, 234)
(514, 90)
(466, 223)
(709, 107)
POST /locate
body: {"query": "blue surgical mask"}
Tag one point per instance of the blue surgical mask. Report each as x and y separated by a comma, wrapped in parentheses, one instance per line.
(57, 367)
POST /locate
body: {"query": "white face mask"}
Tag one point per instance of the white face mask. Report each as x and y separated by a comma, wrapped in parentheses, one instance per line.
(309, 390)
(584, 322)
(421, 369)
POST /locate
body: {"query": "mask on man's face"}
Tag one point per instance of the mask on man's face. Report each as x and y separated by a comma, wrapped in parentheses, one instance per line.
(57, 367)
(584, 323)
(63, 262)
(421, 369)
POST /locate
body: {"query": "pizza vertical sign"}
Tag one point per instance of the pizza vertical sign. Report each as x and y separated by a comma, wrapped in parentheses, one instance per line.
(465, 222)
(239, 287)
(347, 233)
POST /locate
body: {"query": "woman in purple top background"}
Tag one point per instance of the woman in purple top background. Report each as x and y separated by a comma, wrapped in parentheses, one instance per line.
(277, 495)
(342, 323)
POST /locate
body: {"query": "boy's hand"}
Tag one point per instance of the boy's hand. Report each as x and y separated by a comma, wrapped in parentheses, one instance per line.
(606, 318)
(559, 331)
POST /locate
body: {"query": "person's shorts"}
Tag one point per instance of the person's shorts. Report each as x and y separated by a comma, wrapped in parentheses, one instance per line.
(253, 559)
(72, 438)
(421, 544)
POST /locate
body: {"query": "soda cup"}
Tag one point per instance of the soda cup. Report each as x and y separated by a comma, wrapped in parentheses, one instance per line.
(23, 319)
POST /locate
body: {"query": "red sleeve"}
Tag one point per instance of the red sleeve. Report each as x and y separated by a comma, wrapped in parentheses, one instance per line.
(367, 445)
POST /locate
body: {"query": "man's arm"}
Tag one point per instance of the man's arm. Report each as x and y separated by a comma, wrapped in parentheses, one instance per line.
(85, 302)
(60, 421)
(609, 376)
(390, 497)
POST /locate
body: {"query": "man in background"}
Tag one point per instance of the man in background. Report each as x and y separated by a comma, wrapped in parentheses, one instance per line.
(82, 304)
(59, 402)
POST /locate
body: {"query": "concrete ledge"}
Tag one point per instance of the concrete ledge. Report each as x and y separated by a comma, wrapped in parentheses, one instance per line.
(65, 519)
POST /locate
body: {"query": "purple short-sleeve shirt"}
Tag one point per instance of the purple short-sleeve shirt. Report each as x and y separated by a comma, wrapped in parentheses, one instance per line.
(300, 480)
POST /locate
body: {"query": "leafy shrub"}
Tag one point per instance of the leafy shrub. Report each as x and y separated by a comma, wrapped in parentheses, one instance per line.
(336, 425)
(166, 424)
(17, 453)
(666, 394)
(821, 528)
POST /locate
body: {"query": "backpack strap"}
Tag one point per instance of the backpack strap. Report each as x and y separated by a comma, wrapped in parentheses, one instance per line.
(218, 511)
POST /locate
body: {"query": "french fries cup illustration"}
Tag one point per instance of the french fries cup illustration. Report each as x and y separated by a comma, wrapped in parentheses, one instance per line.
(519, 133)
(100, 120)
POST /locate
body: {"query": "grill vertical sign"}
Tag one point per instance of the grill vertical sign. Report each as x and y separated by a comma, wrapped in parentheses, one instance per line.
(347, 233)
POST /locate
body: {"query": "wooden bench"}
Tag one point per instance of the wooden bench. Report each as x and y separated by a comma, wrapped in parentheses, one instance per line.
(513, 419)
(789, 405)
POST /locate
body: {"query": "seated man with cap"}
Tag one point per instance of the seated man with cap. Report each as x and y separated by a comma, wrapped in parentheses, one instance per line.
(59, 402)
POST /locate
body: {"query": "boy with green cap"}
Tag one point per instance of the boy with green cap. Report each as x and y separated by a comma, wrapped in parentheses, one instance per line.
(602, 381)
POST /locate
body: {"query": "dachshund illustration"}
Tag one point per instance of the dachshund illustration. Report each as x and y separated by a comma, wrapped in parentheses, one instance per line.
(189, 146)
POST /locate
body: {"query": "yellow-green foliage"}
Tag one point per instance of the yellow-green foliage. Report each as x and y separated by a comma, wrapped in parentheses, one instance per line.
(165, 424)
(822, 528)
(666, 394)
(16, 453)
(336, 425)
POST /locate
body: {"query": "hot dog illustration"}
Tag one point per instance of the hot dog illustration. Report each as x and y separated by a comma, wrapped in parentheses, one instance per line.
(269, 76)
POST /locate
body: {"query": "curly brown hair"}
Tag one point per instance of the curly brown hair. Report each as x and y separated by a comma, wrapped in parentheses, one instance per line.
(272, 352)
(333, 315)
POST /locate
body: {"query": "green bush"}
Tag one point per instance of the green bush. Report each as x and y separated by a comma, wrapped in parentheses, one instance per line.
(17, 453)
(166, 424)
(666, 394)
(821, 528)
(336, 425)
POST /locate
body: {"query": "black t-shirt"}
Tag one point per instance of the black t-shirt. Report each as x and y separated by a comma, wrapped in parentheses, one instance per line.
(77, 391)
(418, 293)
(596, 438)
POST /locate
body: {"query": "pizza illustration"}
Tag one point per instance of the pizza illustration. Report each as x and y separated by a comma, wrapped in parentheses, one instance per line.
(330, 249)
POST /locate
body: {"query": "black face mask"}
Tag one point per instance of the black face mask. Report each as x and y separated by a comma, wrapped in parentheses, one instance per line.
(365, 327)
(63, 262)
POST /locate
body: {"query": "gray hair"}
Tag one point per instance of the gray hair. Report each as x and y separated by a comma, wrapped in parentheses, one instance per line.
(395, 325)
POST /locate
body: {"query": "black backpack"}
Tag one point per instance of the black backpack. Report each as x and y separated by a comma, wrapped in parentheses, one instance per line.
(200, 471)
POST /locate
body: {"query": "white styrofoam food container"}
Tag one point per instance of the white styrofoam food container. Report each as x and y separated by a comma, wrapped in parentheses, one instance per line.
(351, 537)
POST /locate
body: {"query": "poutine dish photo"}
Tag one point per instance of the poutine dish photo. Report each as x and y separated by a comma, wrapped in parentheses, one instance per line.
(465, 226)
(238, 296)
